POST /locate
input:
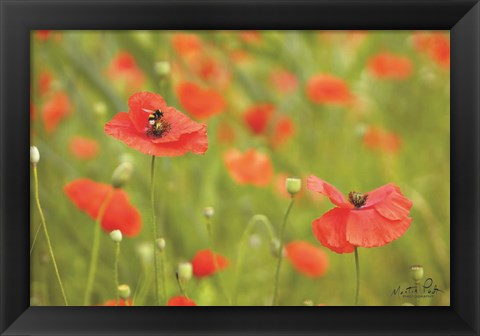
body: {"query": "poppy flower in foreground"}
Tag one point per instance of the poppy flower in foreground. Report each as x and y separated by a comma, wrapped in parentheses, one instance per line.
(251, 167)
(200, 102)
(121, 302)
(119, 214)
(180, 301)
(307, 259)
(367, 219)
(84, 148)
(55, 109)
(377, 138)
(153, 128)
(390, 66)
(328, 89)
(203, 263)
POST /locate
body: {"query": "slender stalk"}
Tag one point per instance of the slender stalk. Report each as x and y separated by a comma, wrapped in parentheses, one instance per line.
(154, 229)
(37, 231)
(92, 269)
(163, 263)
(243, 242)
(49, 244)
(357, 271)
(280, 257)
(115, 270)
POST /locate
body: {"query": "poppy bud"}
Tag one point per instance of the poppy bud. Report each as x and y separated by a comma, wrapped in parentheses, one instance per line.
(255, 241)
(162, 68)
(294, 184)
(124, 291)
(125, 157)
(275, 247)
(160, 242)
(416, 272)
(34, 155)
(185, 271)
(122, 174)
(116, 236)
(100, 109)
(208, 212)
(308, 303)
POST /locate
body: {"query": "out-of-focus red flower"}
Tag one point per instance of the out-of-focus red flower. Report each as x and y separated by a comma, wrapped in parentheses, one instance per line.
(436, 45)
(203, 263)
(307, 259)
(283, 130)
(83, 148)
(258, 116)
(225, 133)
(186, 44)
(368, 220)
(124, 69)
(251, 167)
(200, 102)
(172, 134)
(180, 301)
(328, 89)
(240, 56)
(377, 138)
(284, 81)
(45, 80)
(210, 70)
(251, 36)
(388, 65)
(55, 109)
(121, 302)
(43, 35)
(119, 214)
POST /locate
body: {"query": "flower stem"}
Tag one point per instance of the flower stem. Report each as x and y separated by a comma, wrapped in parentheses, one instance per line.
(243, 242)
(42, 218)
(280, 257)
(154, 230)
(115, 270)
(92, 269)
(357, 271)
(37, 231)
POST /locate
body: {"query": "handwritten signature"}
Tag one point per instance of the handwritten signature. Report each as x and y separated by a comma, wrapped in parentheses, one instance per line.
(427, 289)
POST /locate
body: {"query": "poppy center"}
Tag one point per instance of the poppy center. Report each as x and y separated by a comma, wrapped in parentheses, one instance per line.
(357, 199)
(157, 126)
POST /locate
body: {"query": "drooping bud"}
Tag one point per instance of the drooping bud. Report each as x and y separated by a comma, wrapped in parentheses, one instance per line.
(34, 155)
(416, 271)
(160, 242)
(208, 212)
(293, 184)
(275, 247)
(255, 241)
(116, 236)
(124, 291)
(122, 174)
(185, 271)
(162, 68)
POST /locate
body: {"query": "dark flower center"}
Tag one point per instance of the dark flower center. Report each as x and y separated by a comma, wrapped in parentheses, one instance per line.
(157, 126)
(357, 199)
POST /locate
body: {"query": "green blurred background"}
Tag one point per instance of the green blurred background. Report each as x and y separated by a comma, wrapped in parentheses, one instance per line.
(329, 142)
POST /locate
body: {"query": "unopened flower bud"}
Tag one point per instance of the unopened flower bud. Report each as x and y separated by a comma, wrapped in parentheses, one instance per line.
(255, 241)
(185, 271)
(160, 242)
(34, 155)
(116, 236)
(275, 247)
(162, 68)
(308, 303)
(124, 291)
(122, 174)
(294, 184)
(208, 212)
(416, 272)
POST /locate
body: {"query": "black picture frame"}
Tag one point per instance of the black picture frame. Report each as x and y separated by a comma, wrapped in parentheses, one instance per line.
(18, 17)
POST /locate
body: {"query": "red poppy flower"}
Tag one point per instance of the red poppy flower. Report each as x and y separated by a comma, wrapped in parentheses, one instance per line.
(258, 116)
(251, 167)
(173, 134)
(119, 214)
(387, 65)
(45, 80)
(203, 263)
(307, 259)
(251, 36)
(124, 69)
(180, 301)
(84, 148)
(121, 302)
(328, 89)
(186, 44)
(369, 220)
(377, 138)
(55, 109)
(435, 45)
(200, 102)
(43, 35)
(283, 130)
(284, 81)
(210, 70)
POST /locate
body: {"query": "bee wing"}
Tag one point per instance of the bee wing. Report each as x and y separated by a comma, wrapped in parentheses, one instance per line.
(147, 111)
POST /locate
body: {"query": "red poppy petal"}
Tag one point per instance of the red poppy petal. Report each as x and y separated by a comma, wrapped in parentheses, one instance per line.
(307, 259)
(367, 228)
(389, 202)
(316, 184)
(87, 195)
(121, 215)
(204, 265)
(140, 104)
(330, 230)
(180, 301)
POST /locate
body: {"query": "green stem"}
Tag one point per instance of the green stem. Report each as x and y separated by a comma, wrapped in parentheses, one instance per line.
(49, 244)
(357, 271)
(154, 229)
(280, 257)
(37, 231)
(243, 242)
(92, 269)
(115, 270)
